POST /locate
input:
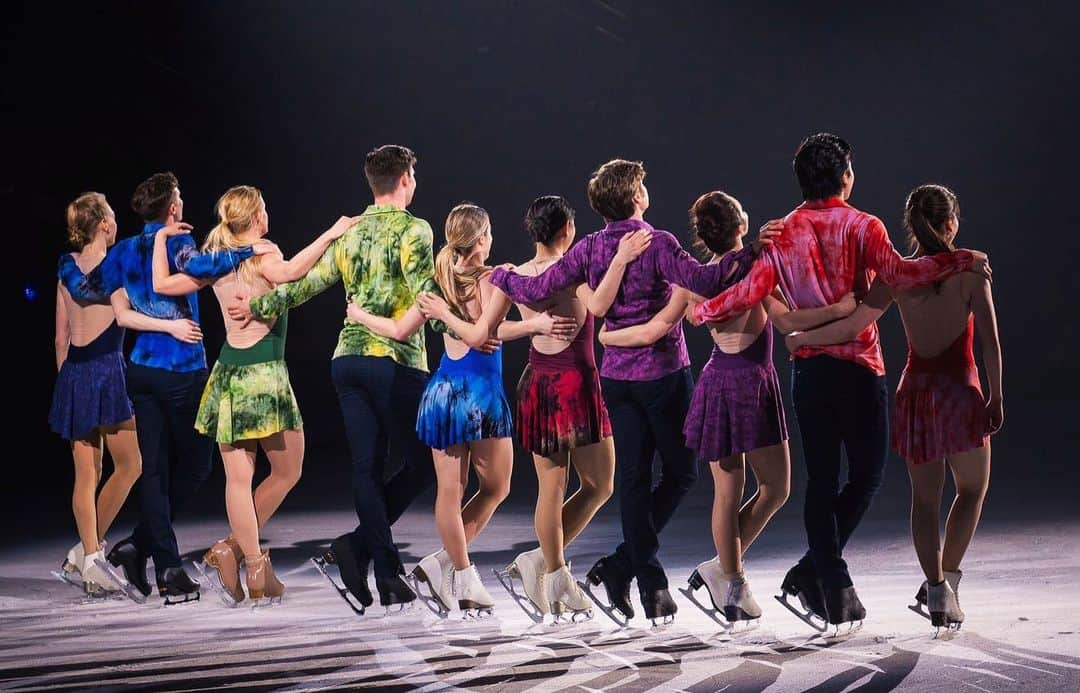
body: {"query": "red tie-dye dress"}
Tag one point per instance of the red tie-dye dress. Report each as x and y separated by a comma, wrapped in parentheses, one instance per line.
(940, 409)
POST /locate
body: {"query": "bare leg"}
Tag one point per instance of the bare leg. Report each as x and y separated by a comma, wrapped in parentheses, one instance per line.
(285, 450)
(551, 474)
(971, 472)
(451, 477)
(772, 469)
(123, 447)
(595, 467)
(87, 456)
(493, 459)
(239, 460)
(729, 478)
(927, 483)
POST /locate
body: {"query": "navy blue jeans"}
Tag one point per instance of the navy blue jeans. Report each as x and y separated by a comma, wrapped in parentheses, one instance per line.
(175, 457)
(647, 418)
(839, 405)
(379, 399)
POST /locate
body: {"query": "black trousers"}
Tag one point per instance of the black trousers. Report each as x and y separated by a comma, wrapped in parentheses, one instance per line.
(647, 417)
(839, 405)
(379, 399)
(175, 457)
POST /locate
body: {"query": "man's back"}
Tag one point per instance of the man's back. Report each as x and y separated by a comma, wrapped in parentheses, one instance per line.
(386, 260)
(128, 266)
(821, 256)
(645, 290)
(378, 255)
(821, 253)
(383, 261)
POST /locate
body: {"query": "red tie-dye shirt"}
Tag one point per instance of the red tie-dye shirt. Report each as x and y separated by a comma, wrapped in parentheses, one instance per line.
(827, 249)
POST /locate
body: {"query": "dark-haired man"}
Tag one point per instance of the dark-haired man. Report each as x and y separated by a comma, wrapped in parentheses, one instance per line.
(829, 248)
(165, 378)
(647, 389)
(384, 261)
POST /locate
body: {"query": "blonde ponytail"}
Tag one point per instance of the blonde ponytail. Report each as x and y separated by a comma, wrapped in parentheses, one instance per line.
(465, 226)
(237, 211)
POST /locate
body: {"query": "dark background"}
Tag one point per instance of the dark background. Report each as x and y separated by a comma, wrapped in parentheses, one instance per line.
(506, 101)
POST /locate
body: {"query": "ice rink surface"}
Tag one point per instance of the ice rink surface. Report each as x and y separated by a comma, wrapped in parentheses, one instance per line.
(1020, 592)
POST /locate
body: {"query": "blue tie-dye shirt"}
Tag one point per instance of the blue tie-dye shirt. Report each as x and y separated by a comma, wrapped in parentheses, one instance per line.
(128, 265)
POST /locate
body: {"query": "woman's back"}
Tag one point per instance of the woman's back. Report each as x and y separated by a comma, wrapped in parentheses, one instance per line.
(567, 303)
(454, 347)
(736, 334)
(935, 316)
(226, 289)
(86, 322)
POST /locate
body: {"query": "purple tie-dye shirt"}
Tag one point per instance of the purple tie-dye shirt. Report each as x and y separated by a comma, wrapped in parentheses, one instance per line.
(645, 290)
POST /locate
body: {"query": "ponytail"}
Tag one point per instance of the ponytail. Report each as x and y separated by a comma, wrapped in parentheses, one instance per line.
(236, 211)
(927, 211)
(465, 225)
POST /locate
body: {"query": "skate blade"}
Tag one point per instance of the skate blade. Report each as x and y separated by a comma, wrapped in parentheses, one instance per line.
(477, 614)
(94, 593)
(920, 610)
(664, 621)
(941, 624)
(712, 612)
(129, 590)
(565, 618)
(67, 579)
(807, 617)
(214, 583)
(263, 603)
(744, 627)
(841, 631)
(98, 596)
(947, 632)
(399, 609)
(429, 600)
(178, 599)
(506, 579)
(347, 596)
(844, 630)
(611, 612)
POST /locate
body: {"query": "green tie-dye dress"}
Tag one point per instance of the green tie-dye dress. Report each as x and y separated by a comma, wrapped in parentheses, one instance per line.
(384, 261)
(248, 395)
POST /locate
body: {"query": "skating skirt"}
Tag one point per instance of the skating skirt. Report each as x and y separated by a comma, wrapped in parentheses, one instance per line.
(89, 394)
(559, 409)
(735, 410)
(463, 402)
(936, 415)
(247, 402)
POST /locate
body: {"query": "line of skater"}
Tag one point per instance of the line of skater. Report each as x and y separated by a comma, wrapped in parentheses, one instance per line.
(821, 277)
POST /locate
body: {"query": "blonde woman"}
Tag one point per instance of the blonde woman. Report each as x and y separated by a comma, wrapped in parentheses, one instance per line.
(248, 401)
(463, 415)
(559, 417)
(90, 405)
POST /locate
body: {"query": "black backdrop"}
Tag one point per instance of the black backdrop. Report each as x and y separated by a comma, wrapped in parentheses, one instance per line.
(506, 101)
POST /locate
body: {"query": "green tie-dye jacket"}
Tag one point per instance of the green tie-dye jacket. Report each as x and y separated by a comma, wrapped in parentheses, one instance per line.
(384, 262)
